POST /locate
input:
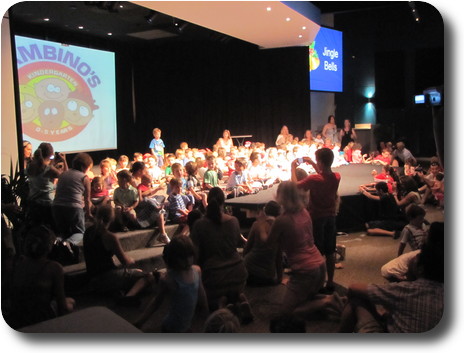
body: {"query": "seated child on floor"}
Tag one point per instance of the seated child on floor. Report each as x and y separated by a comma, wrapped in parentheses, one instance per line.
(413, 233)
(123, 163)
(181, 285)
(212, 174)
(126, 199)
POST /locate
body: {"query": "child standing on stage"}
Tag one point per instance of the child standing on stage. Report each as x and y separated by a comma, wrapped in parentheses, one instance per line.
(157, 146)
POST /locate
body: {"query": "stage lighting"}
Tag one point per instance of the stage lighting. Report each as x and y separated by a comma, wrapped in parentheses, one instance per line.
(151, 17)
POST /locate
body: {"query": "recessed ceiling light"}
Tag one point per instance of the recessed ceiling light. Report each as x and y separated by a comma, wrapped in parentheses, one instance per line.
(303, 28)
(46, 19)
(268, 8)
(110, 34)
(288, 19)
(81, 27)
(300, 36)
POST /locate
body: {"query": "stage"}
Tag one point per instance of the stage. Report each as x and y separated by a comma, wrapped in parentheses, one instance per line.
(355, 209)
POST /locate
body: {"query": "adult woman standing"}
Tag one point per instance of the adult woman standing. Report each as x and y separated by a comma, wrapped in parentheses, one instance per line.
(216, 237)
(347, 134)
(329, 131)
(225, 141)
(27, 150)
(293, 228)
(42, 176)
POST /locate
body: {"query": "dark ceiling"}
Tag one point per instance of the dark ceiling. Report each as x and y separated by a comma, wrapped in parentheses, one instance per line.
(127, 22)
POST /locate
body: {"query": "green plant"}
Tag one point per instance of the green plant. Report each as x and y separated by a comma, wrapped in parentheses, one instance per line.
(15, 190)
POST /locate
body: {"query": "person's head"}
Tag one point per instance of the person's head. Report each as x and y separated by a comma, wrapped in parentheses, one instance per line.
(240, 165)
(156, 133)
(179, 253)
(289, 197)
(308, 135)
(347, 123)
(222, 153)
(357, 146)
(386, 153)
(381, 188)
(177, 170)
(408, 184)
(300, 174)
(105, 167)
(97, 184)
(415, 214)
(180, 153)
(191, 168)
(434, 168)
(44, 151)
(216, 199)
(324, 157)
(226, 134)
(123, 161)
(27, 149)
(175, 185)
(82, 161)
(211, 162)
(152, 161)
(38, 242)
(284, 130)
(170, 158)
(193, 216)
(124, 178)
(138, 169)
(400, 146)
(287, 323)
(319, 136)
(184, 145)
(146, 180)
(432, 255)
(331, 119)
(222, 321)
(105, 214)
(272, 209)
(255, 158)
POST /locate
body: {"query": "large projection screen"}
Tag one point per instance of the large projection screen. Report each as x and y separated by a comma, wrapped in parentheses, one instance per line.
(67, 95)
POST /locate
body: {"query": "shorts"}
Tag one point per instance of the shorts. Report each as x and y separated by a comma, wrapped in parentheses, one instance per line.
(325, 235)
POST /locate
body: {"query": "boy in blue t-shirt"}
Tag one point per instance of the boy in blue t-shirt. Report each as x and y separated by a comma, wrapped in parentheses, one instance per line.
(157, 146)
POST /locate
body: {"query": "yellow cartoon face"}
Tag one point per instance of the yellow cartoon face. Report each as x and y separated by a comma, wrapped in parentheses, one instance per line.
(29, 107)
(52, 89)
(51, 114)
(77, 111)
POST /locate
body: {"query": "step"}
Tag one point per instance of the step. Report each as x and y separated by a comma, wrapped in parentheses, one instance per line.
(146, 259)
(136, 239)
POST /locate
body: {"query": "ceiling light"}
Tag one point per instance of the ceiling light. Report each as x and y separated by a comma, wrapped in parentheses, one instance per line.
(110, 34)
(303, 28)
(288, 19)
(300, 36)
(81, 27)
(268, 9)
(46, 19)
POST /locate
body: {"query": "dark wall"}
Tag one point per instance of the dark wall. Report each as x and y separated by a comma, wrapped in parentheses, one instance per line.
(401, 58)
(193, 91)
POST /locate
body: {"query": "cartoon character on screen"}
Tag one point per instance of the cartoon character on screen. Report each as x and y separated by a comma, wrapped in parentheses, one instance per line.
(79, 109)
(29, 104)
(52, 88)
(51, 114)
(314, 60)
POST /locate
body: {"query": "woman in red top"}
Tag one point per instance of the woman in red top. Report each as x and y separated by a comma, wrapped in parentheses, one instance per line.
(293, 231)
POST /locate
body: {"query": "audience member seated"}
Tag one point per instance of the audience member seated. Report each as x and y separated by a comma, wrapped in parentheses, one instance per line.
(108, 174)
(37, 283)
(216, 237)
(411, 306)
(99, 194)
(181, 285)
(179, 205)
(401, 154)
(238, 182)
(407, 192)
(284, 138)
(100, 245)
(390, 220)
(263, 259)
(212, 174)
(413, 234)
(123, 163)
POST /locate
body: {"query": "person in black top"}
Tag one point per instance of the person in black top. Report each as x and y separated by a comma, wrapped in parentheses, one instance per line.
(347, 134)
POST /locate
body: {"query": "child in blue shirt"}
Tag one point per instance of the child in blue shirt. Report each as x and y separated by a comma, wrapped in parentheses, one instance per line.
(157, 146)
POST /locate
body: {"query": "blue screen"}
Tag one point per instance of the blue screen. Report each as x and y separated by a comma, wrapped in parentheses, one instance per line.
(326, 61)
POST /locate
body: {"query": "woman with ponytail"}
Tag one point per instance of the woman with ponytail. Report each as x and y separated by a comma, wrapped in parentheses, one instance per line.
(42, 175)
(217, 237)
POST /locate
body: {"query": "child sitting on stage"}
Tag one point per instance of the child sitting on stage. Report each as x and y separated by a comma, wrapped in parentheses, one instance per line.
(179, 205)
(126, 199)
(99, 194)
(212, 174)
(238, 185)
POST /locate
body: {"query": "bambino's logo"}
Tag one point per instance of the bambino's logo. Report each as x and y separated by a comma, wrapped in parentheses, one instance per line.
(56, 99)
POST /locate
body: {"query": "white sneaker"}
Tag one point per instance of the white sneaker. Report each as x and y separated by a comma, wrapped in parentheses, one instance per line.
(163, 238)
